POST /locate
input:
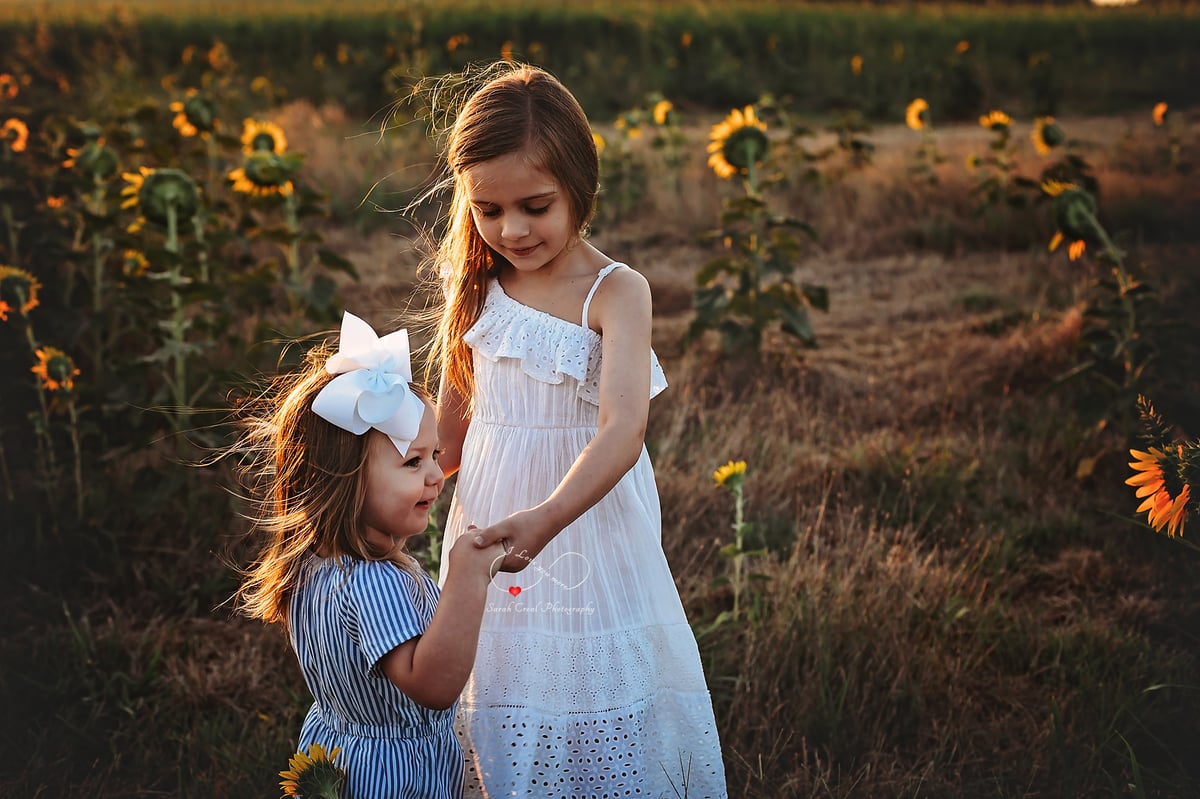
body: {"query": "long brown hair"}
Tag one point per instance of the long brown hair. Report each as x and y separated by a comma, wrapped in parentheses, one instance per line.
(306, 480)
(523, 109)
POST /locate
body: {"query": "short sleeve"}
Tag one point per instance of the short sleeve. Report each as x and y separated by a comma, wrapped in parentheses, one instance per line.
(381, 607)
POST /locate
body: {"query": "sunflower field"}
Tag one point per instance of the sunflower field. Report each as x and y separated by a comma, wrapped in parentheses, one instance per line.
(924, 283)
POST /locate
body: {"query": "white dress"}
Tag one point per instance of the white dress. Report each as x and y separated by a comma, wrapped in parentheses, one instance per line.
(588, 681)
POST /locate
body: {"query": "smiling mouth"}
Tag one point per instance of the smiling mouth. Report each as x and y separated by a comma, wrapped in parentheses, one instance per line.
(522, 251)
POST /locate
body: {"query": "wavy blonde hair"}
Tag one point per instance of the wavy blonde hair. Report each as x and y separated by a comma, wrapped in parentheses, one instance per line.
(306, 480)
(522, 109)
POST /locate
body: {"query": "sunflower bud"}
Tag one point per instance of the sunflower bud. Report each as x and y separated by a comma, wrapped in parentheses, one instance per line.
(164, 189)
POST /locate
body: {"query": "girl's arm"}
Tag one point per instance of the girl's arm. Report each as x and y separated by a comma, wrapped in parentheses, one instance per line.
(432, 668)
(453, 417)
(621, 307)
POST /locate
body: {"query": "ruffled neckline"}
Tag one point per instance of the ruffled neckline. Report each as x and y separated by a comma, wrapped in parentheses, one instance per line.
(548, 347)
(495, 283)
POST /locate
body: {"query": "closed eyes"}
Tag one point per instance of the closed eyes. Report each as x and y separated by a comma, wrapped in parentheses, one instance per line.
(492, 213)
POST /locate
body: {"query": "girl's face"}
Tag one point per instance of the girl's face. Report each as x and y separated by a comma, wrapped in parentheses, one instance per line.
(401, 488)
(520, 211)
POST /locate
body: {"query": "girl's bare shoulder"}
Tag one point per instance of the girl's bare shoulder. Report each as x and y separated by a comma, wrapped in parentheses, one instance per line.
(625, 283)
(623, 296)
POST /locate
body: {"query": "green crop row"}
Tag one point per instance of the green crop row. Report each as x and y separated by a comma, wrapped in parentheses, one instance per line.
(963, 59)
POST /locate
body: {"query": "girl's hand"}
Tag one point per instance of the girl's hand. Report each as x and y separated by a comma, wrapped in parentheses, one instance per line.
(522, 535)
(485, 561)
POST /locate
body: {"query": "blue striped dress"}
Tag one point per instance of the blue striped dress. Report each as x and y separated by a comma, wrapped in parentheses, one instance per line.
(346, 616)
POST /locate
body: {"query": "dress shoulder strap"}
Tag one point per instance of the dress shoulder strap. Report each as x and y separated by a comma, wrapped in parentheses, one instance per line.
(605, 272)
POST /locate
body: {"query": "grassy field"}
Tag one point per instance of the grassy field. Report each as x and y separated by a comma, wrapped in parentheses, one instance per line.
(951, 596)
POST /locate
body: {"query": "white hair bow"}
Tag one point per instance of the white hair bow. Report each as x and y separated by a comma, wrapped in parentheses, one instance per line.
(371, 387)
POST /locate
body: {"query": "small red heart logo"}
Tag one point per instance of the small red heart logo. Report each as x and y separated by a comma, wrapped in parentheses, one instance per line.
(514, 589)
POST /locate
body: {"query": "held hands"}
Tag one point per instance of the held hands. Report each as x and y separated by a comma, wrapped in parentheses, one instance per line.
(521, 534)
(485, 561)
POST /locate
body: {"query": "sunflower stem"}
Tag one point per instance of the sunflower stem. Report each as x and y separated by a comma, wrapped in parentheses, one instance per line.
(1129, 321)
(1109, 248)
(42, 428)
(13, 234)
(97, 207)
(202, 253)
(96, 203)
(739, 530)
(293, 252)
(179, 387)
(213, 158)
(8, 486)
(78, 454)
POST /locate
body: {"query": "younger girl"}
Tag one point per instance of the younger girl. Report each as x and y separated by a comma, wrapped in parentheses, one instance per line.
(590, 682)
(344, 468)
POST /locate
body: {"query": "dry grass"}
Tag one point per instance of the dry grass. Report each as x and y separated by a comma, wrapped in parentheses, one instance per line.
(949, 612)
(947, 609)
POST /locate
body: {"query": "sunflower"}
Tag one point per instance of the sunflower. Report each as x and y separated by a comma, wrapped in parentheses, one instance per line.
(5, 310)
(94, 159)
(157, 193)
(134, 182)
(916, 116)
(261, 135)
(1056, 187)
(996, 120)
(856, 64)
(134, 263)
(731, 473)
(1046, 135)
(1075, 249)
(18, 290)
(15, 134)
(737, 142)
(218, 57)
(263, 174)
(661, 109)
(313, 774)
(1162, 509)
(456, 41)
(600, 143)
(8, 86)
(195, 115)
(1075, 215)
(56, 369)
(1159, 113)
